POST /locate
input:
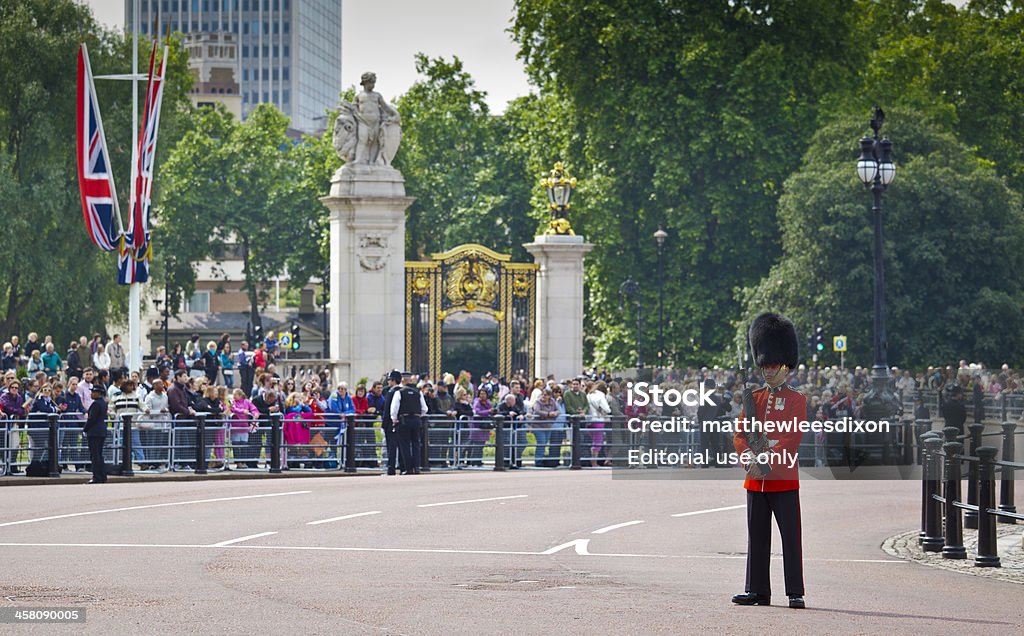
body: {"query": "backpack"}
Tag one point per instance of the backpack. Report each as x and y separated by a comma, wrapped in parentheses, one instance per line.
(37, 468)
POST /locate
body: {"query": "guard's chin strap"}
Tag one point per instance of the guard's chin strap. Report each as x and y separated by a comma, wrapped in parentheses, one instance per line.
(779, 375)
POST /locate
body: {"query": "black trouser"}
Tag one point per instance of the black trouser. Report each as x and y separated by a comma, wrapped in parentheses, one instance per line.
(409, 434)
(99, 467)
(391, 441)
(246, 374)
(711, 439)
(786, 508)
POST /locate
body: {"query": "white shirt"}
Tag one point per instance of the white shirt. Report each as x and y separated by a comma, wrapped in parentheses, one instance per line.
(101, 360)
(598, 405)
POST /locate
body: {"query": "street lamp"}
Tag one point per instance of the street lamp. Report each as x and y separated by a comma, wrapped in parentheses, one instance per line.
(558, 186)
(629, 290)
(324, 282)
(876, 170)
(660, 237)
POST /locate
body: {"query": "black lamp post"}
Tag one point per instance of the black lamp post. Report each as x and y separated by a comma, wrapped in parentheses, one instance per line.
(630, 290)
(325, 279)
(660, 237)
(876, 170)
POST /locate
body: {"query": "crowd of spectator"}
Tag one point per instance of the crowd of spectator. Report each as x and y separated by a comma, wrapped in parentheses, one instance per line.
(243, 388)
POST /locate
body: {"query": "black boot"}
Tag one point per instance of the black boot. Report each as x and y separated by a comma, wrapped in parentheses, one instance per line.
(752, 599)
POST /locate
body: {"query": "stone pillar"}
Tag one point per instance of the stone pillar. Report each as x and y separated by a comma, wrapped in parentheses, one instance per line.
(559, 303)
(367, 310)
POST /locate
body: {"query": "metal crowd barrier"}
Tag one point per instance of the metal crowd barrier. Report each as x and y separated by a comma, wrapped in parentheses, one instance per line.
(331, 442)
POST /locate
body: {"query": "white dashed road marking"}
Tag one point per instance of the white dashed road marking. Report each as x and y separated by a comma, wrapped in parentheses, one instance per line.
(161, 505)
(616, 526)
(702, 512)
(464, 501)
(224, 544)
(358, 514)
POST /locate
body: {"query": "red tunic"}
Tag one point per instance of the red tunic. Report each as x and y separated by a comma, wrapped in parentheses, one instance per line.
(785, 405)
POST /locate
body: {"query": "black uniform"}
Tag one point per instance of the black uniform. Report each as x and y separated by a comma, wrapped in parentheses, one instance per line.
(954, 412)
(96, 434)
(390, 434)
(410, 409)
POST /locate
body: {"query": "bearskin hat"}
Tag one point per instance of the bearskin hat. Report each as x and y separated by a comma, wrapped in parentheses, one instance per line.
(772, 340)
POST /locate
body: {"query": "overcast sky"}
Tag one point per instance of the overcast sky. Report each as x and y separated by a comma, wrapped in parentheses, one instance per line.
(383, 35)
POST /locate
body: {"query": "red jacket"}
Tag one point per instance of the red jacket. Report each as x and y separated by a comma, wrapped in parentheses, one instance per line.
(785, 405)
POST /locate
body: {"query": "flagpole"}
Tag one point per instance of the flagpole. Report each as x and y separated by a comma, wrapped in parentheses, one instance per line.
(135, 289)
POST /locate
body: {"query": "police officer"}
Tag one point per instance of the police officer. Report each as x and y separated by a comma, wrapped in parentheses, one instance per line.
(96, 433)
(773, 486)
(388, 423)
(407, 408)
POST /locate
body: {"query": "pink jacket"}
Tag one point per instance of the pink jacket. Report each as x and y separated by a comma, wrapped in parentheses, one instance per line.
(243, 412)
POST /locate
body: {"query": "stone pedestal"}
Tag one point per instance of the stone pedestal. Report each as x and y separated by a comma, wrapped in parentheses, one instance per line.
(367, 307)
(559, 304)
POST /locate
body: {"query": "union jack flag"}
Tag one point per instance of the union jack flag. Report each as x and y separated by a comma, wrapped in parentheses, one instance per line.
(138, 224)
(136, 252)
(95, 175)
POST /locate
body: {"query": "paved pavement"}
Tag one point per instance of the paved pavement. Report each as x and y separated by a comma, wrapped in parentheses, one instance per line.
(479, 553)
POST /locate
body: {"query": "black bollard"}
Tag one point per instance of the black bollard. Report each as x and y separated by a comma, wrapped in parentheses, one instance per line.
(923, 426)
(424, 445)
(954, 547)
(499, 443)
(907, 431)
(576, 434)
(932, 541)
(200, 443)
(275, 443)
(53, 465)
(1006, 474)
(926, 486)
(350, 446)
(971, 516)
(950, 433)
(988, 552)
(126, 446)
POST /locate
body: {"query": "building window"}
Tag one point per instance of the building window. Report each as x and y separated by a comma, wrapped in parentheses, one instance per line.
(284, 73)
(245, 78)
(274, 95)
(266, 96)
(286, 53)
(277, 50)
(266, 75)
(284, 96)
(286, 26)
(245, 51)
(198, 303)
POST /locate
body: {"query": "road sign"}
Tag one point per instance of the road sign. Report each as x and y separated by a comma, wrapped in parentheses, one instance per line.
(839, 343)
(284, 341)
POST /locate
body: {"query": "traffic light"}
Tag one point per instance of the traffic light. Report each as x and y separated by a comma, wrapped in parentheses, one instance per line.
(295, 337)
(819, 339)
(257, 336)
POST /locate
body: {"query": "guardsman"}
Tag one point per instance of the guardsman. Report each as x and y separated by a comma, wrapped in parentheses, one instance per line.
(772, 483)
(407, 409)
(387, 423)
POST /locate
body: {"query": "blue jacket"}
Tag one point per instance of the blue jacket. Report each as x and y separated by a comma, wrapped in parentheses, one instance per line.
(341, 405)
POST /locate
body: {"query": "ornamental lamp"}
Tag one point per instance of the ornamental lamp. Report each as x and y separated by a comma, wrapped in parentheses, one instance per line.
(559, 186)
(867, 166)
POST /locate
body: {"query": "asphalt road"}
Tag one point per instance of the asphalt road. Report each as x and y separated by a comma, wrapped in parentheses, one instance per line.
(469, 553)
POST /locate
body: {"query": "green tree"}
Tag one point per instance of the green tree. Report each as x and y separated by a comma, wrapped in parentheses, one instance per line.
(249, 185)
(954, 236)
(689, 112)
(52, 279)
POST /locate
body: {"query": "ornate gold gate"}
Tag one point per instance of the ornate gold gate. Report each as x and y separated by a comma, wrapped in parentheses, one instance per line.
(475, 279)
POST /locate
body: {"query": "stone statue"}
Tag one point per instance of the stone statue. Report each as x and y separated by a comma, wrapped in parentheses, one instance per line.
(368, 129)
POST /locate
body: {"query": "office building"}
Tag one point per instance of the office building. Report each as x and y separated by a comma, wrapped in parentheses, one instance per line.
(288, 51)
